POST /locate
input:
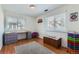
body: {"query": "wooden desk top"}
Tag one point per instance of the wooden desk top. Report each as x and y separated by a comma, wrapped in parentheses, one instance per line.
(17, 32)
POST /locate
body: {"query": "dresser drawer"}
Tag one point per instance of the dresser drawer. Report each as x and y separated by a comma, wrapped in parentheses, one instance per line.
(10, 38)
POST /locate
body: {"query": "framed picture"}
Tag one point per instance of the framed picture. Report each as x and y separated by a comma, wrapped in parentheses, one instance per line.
(40, 20)
(74, 16)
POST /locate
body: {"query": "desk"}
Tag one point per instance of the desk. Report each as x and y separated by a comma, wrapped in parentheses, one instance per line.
(13, 37)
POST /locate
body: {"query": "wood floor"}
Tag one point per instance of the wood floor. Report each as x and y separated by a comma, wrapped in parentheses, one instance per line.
(10, 49)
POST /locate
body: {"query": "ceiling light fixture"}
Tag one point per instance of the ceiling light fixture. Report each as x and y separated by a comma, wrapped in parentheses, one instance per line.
(32, 6)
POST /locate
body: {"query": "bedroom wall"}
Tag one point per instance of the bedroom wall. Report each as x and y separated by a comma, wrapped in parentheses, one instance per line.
(1, 26)
(71, 26)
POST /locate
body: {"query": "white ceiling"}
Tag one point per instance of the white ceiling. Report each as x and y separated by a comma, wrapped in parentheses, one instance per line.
(26, 10)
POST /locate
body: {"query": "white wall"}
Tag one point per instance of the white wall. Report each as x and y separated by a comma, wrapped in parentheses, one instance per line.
(31, 24)
(1, 27)
(71, 26)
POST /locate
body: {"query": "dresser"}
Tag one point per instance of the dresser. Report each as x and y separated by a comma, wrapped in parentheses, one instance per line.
(9, 38)
(73, 43)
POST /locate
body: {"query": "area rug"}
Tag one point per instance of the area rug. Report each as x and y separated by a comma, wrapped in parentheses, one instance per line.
(32, 48)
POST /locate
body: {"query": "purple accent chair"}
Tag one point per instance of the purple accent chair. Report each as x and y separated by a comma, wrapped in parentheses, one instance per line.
(35, 34)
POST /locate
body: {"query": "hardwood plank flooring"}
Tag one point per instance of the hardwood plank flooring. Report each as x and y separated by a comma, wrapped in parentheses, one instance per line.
(10, 48)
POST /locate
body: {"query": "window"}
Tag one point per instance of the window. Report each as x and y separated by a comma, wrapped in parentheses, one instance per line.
(51, 22)
(10, 23)
(14, 23)
(56, 23)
